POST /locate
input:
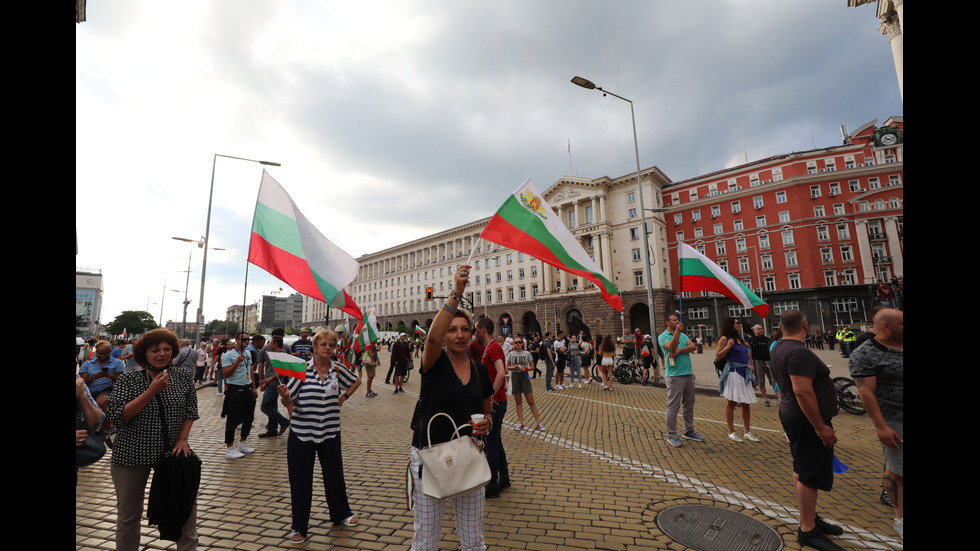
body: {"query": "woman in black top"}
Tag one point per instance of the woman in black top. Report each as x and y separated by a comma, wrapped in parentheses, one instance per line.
(452, 384)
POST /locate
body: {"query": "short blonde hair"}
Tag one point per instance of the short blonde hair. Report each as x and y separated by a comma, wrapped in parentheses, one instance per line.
(328, 334)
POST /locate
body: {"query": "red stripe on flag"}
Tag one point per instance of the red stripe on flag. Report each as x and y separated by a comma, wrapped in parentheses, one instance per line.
(285, 266)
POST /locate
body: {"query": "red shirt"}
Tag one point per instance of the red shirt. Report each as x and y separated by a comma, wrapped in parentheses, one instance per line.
(639, 341)
(492, 352)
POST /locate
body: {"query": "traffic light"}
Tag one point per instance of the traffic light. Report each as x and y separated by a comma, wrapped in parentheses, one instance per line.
(428, 293)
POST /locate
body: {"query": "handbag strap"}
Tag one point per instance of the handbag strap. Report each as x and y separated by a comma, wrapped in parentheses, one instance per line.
(428, 430)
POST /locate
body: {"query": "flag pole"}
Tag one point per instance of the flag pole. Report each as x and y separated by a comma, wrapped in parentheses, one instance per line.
(680, 295)
(472, 251)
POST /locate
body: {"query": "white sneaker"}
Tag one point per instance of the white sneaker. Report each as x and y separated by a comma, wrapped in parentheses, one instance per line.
(245, 448)
(580, 385)
(233, 453)
(734, 437)
(751, 437)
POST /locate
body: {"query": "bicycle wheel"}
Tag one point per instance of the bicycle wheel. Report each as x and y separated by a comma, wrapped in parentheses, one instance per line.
(624, 374)
(595, 374)
(848, 397)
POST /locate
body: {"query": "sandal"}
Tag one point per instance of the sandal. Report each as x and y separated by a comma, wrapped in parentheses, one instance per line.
(296, 538)
(351, 521)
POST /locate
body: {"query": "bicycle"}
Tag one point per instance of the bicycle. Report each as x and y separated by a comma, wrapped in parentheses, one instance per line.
(848, 396)
(629, 371)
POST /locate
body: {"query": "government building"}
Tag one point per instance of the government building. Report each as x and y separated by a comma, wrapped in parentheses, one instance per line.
(806, 230)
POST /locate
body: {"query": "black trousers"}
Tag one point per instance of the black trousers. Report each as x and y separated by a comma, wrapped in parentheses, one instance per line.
(239, 407)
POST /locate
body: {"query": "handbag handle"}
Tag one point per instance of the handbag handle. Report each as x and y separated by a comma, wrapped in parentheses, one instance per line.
(428, 429)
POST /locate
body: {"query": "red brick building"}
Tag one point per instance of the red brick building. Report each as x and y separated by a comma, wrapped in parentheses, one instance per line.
(811, 230)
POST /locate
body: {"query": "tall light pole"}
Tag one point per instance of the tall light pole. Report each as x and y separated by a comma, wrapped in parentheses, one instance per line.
(207, 233)
(587, 84)
(187, 282)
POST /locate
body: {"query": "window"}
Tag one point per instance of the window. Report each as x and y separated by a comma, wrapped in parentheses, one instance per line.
(723, 264)
(720, 249)
(819, 211)
(811, 167)
(767, 262)
(780, 197)
(510, 258)
(843, 232)
(634, 233)
(740, 245)
(571, 218)
(815, 191)
(834, 188)
(523, 293)
(510, 294)
(738, 225)
(849, 304)
(827, 255)
(715, 210)
(678, 218)
(777, 174)
(779, 307)
(717, 228)
(695, 215)
(732, 185)
(874, 183)
(743, 265)
(829, 278)
(770, 283)
(736, 207)
(794, 281)
(760, 221)
(838, 209)
(738, 311)
(631, 196)
(693, 195)
(764, 241)
(638, 278)
(510, 275)
(784, 217)
(788, 238)
(698, 313)
(680, 236)
(534, 291)
(698, 233)
(850, 277)
(520, 273)
(790, 259)
(534, 271)
(632, 212)
(498, 277)
(831, 165)
(854, 186)
(758, 202)
(636, 254)
(849, 162)
(894, 180)
(846, 254)
(588, 216)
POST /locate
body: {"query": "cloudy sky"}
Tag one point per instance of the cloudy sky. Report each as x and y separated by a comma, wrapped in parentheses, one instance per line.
(397, 119)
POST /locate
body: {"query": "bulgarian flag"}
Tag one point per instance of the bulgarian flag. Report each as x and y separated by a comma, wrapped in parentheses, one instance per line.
(527, 224)
(419, 330)
(700, 274)
(366, 335)
(285, 244)
(288, 365)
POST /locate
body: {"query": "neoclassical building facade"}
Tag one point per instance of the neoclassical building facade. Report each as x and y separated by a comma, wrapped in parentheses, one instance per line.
(517, 290)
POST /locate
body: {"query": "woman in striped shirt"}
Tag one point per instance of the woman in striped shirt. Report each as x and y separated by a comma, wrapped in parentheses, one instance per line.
(315, 433)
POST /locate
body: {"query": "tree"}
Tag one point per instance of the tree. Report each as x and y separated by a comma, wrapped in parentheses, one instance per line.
(220, 327)
(133, 322)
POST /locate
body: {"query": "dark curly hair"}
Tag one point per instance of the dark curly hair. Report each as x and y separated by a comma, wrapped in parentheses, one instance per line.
(153, 338)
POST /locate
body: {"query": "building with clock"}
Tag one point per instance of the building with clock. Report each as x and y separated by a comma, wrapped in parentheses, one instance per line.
(88, 301)
(808, 230)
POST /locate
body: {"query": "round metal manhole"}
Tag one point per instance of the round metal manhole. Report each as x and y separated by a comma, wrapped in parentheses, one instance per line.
(716, 529)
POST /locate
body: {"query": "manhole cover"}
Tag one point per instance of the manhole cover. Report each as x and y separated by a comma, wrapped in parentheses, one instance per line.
(714, 528)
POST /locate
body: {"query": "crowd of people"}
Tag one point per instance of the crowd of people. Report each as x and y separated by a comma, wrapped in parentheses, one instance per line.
(469, 373)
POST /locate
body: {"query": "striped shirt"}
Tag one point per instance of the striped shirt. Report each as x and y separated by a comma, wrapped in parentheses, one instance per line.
(316, 406)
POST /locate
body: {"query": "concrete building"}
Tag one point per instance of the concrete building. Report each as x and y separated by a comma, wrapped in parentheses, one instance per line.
(88, 301)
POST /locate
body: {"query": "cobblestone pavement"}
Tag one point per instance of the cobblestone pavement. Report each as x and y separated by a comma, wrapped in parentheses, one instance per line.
(595, 479)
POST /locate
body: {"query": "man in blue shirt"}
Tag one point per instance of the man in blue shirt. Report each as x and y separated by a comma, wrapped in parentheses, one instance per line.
(100, 373)
(240, 396)
(679, 377)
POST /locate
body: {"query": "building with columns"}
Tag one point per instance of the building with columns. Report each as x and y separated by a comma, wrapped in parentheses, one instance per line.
(808, 230)
(515, 289)
(890, 14)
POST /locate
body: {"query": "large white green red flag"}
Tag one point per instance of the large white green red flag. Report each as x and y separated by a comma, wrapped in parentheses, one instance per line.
(288, 246)
(698, 273)
(527, 224)
(288, 365)
(366, 335)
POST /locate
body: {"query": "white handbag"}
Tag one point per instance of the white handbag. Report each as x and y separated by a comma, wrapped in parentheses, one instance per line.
(454, 467)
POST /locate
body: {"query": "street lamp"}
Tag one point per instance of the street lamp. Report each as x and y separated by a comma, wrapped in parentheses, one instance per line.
(207, 233)
(187, 282)
(588, 85)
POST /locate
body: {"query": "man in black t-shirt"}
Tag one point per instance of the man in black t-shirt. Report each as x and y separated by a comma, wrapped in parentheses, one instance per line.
(809, 401)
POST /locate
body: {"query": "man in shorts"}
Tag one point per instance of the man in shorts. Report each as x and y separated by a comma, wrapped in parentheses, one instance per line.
(759, 359)
(809, 402)
(519, 362)
(877, 367)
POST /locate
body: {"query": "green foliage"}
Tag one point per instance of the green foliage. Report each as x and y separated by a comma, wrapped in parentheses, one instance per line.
(134, 322)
